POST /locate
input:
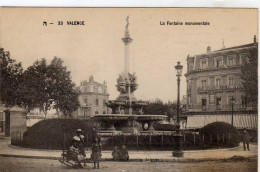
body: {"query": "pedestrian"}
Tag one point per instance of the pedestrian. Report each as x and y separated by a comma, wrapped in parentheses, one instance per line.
(245, 139)
(96, 152)
(74, 151)
(81, 137)
(124, 154)
(115, 153)
(95, 133)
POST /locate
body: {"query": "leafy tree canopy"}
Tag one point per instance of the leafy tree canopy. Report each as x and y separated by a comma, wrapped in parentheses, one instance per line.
(45, 85)
(159, 108)
(250, 78)
(10, 76)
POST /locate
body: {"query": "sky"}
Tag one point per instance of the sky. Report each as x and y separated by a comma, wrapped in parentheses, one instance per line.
(96, 48)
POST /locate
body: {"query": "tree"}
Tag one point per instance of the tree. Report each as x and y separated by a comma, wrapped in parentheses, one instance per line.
(34, 89)
(10, 76)
(249, 77)
(64, 90)
(46, 86)
(159, 108)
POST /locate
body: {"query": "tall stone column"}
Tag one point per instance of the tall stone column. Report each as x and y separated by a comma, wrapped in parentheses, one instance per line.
(127, 59)
(127, 40)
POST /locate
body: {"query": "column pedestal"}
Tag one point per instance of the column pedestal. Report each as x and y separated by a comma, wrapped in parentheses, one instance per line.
(177, 145)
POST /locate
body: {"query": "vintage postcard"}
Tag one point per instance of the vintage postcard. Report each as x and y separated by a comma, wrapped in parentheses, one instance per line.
(128, 89)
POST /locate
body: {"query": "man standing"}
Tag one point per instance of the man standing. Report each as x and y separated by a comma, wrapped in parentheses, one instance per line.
(245, 139)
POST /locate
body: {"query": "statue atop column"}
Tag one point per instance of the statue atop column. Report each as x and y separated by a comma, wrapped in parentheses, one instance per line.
(126, 27)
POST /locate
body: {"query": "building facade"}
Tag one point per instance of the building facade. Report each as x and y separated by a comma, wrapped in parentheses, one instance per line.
(92, 98)
(214, 84)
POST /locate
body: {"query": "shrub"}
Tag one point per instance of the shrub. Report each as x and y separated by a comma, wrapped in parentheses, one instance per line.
(55, 133)
(220, 134)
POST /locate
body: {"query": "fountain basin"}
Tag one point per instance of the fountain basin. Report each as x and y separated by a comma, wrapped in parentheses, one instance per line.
(127, 123)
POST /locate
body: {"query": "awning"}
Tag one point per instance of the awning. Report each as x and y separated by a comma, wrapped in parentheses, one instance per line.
(240, 121)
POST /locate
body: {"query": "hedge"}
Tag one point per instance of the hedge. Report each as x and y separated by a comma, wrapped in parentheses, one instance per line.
(55, 133)
(220, 133)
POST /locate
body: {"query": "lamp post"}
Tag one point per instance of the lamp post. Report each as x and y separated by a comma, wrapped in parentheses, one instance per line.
(177, 146)
(232, 109)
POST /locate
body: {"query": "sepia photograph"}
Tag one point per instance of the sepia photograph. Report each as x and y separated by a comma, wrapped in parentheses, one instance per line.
(128, 89)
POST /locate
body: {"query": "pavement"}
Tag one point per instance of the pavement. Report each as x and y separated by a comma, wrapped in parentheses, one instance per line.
(7, 150)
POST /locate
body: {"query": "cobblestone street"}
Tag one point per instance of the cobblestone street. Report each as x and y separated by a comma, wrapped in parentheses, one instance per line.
(8, 164)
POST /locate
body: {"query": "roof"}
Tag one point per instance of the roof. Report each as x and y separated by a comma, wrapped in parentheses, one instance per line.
(240, 46)
(225, 49)
(93, 82)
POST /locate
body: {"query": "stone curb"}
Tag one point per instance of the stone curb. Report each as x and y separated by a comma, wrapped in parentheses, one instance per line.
(181, 160)
(108, 151)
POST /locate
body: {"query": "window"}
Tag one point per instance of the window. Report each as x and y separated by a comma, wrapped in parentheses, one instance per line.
(190, 66)
(204, 102)
(219, 63)
(203, 83)
(217, 82)
(218, 103)
(230, 100)
(230, 61)
(85, 101)
(97, 102)
(85, 112)
(95, 89)
(224, 80)
(237, 80)
(244, 100)
(211, 81)
(203, 64)
(212, 99)
(230, 81)
(104, 102)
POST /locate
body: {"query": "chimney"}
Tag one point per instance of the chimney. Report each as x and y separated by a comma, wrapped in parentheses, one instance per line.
(208, 49)
(91, 79)
(254, 38)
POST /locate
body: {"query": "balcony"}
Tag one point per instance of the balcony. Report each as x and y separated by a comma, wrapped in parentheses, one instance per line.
(206, 89)
(85, 105)
(213, 108)
(229, 88)
(220, 88)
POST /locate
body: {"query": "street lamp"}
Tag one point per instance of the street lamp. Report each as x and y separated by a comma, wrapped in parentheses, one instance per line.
(177, 147)
(232, 106)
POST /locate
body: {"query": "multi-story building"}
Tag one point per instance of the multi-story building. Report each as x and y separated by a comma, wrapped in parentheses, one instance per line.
(92, 98)
(214, 84)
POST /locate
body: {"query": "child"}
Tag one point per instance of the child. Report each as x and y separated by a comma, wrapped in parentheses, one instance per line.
(96, 152)
(115, 153)
(124, 154)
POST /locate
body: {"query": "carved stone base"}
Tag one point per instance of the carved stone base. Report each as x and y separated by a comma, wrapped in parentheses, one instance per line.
(177, 154)
(177, 145)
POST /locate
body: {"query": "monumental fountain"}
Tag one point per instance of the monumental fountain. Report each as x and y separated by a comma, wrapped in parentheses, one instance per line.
(127, 112)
